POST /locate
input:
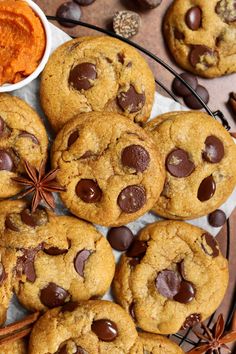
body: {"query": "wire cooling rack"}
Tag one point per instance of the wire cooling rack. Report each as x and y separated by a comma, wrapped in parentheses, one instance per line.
(186, 338)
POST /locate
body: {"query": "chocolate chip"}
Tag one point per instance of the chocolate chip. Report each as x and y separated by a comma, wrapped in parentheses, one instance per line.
(168, 283)
(132, 198)
(192, 320)
(209, 245)
(30, 136)
(79, 261)
(126, 23)
(9, 224)
(55, 251)
(180, 268)
(72, 138)
(226, 9)
(69, 10)
(6, 162)
(150, 4)
(134, 261)
(206, 189)
(121, 58)
(88, 191)
(203, 55)
(193, 18)
(88, 154)
(232, 102)
(135, 157)
(137, 249)
(178, 35)
(52, 295)
(106, 330)
(2, 274)
(217, 218)
(120, 238)
(131, 311)
(82, 76)
(25, 263)
(69, 306)
(214, 149)
(2, 126)
(84, 2)
(186, 292)
(180, 89)
(179, 164)
(131, 101)
(38, 218)
(62, 350)
(192, 102)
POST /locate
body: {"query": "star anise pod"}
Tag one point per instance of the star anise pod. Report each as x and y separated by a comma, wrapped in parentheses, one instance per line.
(214, 339)
(40, 184)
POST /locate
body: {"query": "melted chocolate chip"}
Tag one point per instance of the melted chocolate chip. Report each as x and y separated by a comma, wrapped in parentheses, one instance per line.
(69, 10)
(88, 191)
(210, 245)
(38, 218)
(214, 149)
(2, 125)
(131, 101)
(25, 263)
(72, 138)
(180, 89)
(192, 320)
(9, 224)
(180, 268)
(88, 154)
(120, 238)
(62, 350)
(135, 157)
(134, 261)
(55, 251)
(121, 58)
(168, 283)
(82, 76)
(206, 189)
(131, 311)
(52, 295)
(30, 136)
(186, 292)
(6, 162)
(217, 218)
(69, 306)
(2, 274)
(137, 249)
(226, 9)
(179, 164)
(80, 260)
(192, 102)
(106, 330)
(178, 35)
(193, 18)
(132, 198)
(202, 54)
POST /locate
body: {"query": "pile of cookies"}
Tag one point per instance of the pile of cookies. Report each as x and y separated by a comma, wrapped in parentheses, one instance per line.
(113, 167)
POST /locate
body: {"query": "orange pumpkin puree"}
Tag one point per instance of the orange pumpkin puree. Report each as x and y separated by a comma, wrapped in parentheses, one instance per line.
(22, 41)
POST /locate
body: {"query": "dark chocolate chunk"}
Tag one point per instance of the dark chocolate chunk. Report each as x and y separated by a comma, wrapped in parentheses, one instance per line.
(2, 274)
(52, 295)
(69, 10)
(168, 283)
(84, 2)
(206, 189)
(120, 238)
(192, 320)
(179, 164)
(30, 136)
(226, 9)
(217, 218)
(79, 261)
(72, 138)
(186, 292)
(210, 245)
(150, 4)
(132, 198)
(214, 149)
(106, 330)
(88, 191)
(180, 89)
(193, 18)
(9, 224)
(82, 76)
(126, 23)
(135, 157)
(62, 350)
(55, 251)
(69, 306)
(203, 55)
(38, 218)
(178, 35)
(131, 101)
(134, 261)
(192, 102)
(137, 249)
(131, 311)
(6, 162)
(25, 263)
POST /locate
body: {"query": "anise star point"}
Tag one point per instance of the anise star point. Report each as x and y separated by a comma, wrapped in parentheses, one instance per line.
(40, 184)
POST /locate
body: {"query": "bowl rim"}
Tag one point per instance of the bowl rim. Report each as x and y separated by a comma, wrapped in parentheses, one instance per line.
(47, 51)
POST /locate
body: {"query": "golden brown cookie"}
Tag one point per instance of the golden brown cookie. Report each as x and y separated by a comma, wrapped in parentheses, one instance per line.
(172, 277)
(22, 137)
(96, 327)
(96, 74)
(48, 260)
(107, 169)
(200, 159)
(16, 347)
(201, 35)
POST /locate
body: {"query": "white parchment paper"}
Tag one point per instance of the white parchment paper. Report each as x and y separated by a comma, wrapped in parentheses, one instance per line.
(161, 105)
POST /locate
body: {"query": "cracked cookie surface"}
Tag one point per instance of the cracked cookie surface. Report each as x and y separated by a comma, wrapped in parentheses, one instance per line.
(201, 35)
(96, 74)
(173, 277)
(107, 169)
(91, 327)
(48, 260)
(200, 160)
(22, 137)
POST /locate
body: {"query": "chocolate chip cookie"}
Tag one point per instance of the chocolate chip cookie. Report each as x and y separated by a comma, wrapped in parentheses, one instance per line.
(96, 74)
(201, 36)
(200, 159)
(92, 327)
(22, 137)
(107, 169)
(17, 347)
(155, 344)
(48, 260)
(172, 277)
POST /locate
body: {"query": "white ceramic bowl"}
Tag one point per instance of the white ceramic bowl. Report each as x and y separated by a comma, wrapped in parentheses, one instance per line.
(39, 69)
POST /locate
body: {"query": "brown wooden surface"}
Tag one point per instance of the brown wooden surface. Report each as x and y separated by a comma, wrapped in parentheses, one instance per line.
(150, 36)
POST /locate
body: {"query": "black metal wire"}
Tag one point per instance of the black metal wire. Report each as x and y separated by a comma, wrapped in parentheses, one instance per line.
(183, 338)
